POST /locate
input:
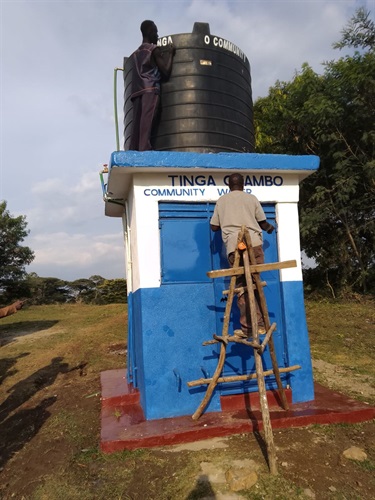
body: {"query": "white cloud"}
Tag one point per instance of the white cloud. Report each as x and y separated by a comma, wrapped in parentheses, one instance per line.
(77, 255)
(72, 250)
(47, 186)
(75, 202)
(69, 233)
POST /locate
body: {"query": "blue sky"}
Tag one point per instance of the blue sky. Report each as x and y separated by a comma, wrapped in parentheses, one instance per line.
(56, 97)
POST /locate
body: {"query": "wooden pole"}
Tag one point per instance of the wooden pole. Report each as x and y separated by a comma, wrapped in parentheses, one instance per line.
(271, 450)
(242, 289)
(264, 309)
(223, 346)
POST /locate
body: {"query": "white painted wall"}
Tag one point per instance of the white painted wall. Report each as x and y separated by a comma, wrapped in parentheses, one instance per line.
(289, 240)
(149, 189)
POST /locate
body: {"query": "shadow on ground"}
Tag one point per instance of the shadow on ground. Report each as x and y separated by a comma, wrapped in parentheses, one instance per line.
(19, 425)
(12, 331)
(202, 489)
(6, 366)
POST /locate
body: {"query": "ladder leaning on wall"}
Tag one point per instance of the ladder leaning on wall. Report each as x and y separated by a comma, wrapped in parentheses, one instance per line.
(254, 284)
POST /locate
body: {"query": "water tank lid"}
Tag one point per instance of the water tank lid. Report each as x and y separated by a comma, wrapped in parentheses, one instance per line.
(201, 28)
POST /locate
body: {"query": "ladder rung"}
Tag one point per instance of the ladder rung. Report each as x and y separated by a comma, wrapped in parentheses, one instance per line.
(235, 378)
(254, 268)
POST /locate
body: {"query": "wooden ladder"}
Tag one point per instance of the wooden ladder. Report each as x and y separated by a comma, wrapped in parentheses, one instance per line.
(251, 271)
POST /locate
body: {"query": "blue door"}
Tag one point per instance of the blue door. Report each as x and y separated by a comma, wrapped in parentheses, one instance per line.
(186, 227)
(185, 242)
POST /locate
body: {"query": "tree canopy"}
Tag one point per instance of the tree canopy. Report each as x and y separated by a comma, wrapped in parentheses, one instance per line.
(332, 116)
(13, 256)
(93, 290)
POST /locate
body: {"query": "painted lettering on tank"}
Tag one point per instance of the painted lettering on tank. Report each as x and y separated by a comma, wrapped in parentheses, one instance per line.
(166, 40)
(226, 45)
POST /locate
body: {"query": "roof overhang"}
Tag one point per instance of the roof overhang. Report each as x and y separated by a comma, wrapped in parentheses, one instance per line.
(124, 164)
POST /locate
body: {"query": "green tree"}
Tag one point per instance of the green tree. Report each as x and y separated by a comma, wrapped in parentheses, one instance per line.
(47, 290)
(13, 256)
(112, 292)
(86, 290)
(332, 116)
(93, 290)
(359, 32)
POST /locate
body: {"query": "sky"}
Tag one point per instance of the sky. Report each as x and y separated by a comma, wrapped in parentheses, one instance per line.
(56, 96)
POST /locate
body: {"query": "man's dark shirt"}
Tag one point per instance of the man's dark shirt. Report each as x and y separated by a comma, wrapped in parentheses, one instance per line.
(146, 76)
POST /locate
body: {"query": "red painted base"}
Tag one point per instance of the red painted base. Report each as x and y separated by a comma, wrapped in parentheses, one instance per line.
(123, 425)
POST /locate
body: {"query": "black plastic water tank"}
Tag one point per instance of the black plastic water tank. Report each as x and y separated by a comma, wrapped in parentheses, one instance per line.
(206, 105)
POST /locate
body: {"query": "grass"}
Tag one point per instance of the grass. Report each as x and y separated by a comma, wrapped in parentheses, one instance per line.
(74, 343)
(367, 465)
(275, 488)
(343, 334)
(79, 333)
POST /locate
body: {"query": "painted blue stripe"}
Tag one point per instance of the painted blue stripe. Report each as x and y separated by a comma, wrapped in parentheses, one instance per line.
(169, 325)
(227, 161)
(297, 341)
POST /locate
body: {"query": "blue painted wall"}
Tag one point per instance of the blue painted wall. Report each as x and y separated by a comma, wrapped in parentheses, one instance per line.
(297, 341)
(227, 161)
(171, 324)
(167, 325)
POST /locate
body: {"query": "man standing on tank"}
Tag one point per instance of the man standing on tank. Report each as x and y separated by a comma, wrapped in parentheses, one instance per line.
(150, 65)
(232, 211)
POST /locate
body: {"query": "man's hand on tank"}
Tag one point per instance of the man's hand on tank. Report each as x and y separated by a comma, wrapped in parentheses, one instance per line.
(270, 229)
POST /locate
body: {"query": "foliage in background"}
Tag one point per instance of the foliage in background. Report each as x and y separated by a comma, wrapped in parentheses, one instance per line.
(110, 291)
(15, 283)
(13, 256)
(94, 290)
(332, 116)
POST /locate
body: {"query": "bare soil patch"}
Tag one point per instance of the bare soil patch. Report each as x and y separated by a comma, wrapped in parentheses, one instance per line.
(344, 380)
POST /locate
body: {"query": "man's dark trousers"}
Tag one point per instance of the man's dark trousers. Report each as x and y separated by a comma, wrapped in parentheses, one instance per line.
(145, 109)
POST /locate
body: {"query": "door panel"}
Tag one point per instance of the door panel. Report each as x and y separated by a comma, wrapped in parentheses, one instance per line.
(188, 250)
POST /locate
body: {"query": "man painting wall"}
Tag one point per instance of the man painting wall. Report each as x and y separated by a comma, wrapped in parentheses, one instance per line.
(232, 211)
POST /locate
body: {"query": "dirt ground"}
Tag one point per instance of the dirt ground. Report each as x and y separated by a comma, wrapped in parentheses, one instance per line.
(49, 428)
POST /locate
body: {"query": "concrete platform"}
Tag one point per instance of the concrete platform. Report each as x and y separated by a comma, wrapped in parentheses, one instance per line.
(123, 425)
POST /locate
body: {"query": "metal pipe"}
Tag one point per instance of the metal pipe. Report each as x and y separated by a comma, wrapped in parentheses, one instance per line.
(115, 107)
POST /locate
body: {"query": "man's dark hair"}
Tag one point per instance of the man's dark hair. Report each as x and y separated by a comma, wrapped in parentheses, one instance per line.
(146, 26)
(236, 181)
